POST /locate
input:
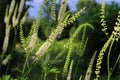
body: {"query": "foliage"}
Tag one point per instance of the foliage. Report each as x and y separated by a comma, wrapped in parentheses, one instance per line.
(7, 77)
(114, 36)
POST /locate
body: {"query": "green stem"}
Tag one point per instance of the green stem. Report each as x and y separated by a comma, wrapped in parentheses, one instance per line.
(76, 69)
(80, 78)
(45, 75)
(108, 60)
(56, 76)
(25, 64)
(116, 63)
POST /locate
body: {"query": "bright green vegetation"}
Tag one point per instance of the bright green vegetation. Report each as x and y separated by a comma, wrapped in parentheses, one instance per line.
(61, 45)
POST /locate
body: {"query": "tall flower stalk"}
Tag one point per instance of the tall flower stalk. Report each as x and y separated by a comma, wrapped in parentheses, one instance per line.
(54, 34)
(14, 13)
